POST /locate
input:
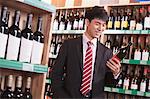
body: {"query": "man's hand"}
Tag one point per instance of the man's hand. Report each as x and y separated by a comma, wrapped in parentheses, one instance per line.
(114, 65)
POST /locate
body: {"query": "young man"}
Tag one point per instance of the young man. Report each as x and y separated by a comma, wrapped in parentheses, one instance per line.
(85, 61)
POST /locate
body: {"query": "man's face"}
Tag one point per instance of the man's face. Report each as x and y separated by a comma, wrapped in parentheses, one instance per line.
(95, 28)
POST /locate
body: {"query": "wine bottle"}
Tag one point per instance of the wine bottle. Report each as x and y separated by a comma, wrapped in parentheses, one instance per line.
(26, 41)
(27, 94)
(117, 20)
(122, 52)
(110, 23)
(143, 81)
(55, 24)
(38, 44)
(18, 94)
(62, 21)
(108, 42)
(3, 32)
(14, 38)
(8, 93)
(48, 93)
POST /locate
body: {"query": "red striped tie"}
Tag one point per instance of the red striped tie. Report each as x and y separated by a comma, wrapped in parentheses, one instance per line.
(87, 71)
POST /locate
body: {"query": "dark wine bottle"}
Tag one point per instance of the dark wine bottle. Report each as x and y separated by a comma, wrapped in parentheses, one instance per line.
(26, 41)
(3, 33)
(122, 52)
(27, 94)
(14, 38)
(18, 94)
(8, 94)
(48, 94)
(38, 44)
(6, 23)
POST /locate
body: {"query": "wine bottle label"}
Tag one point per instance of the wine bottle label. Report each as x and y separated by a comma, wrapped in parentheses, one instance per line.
(13, 47)
(109, 24)
(3, 40)
(120, 82)
(132, 24)
(145, 56)
(75, 25)
(81, 21)
(25, 50)
(37, 51)
(134, 86)
(143, 86)
(117, 24)
(58, 47)
(68, 26)
(147, 22)
(62, 26)
(139, 26)
(55, 26)
(137, 55)
(126, 82)
(124, 24)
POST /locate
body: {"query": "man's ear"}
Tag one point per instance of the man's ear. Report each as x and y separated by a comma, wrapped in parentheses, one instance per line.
(87, 22)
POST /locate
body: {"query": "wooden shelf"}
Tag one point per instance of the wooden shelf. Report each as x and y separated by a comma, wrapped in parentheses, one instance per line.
(126, 32)
(7, 64)
(129, 92)
(68, 32)
(16, 68)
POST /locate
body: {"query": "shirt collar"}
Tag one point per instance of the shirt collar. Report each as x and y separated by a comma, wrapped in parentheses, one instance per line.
(85, 40)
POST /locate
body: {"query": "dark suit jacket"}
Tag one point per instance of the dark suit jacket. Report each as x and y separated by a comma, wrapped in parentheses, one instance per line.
(70, 60)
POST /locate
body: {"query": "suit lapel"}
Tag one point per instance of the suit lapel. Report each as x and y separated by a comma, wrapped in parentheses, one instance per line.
(80, 52)
(98, 56)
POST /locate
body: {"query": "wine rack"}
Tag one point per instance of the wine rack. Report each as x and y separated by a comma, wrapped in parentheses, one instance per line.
(36, 71)
(113, 33)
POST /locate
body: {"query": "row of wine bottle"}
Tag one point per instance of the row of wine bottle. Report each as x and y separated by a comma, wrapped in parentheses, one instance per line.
(69, 19)
(129, 18)
(57, 41)
(18, 93)
(134, 77)
(24, 46)
(140, 49)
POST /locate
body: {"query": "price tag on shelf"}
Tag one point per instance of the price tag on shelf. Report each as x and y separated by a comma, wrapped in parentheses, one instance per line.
(115, 90)
(147, 94)
(143, 62)
(128, 91)
(140, 93)
(107, 89)
(125, 61)
(27, 67)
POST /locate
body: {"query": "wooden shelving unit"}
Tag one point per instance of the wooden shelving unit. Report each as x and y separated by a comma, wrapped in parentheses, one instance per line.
(36, 71)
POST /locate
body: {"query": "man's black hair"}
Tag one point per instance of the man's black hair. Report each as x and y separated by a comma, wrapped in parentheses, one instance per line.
(96, 12)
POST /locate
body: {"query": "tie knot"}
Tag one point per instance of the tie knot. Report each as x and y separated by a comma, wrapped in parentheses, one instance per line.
(89, 43)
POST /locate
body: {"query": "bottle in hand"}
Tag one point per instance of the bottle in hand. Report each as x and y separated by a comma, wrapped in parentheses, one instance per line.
(122, 52)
